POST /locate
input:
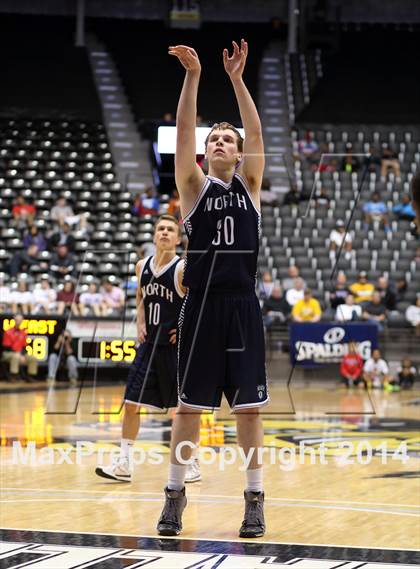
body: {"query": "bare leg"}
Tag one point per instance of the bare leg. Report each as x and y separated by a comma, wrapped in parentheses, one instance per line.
(185, 427)
(250, 434)
(131, 421)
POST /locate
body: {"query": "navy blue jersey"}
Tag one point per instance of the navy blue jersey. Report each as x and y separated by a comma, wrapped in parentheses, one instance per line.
(162, 298)
(223, 231)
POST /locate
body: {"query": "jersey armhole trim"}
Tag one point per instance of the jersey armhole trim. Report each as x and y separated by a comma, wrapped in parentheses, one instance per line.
(146, 260)
(245, 185)
(198, 200)
(178, 268)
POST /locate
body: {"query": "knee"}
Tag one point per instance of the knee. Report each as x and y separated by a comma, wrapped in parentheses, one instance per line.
(131, 409)
(248, 416)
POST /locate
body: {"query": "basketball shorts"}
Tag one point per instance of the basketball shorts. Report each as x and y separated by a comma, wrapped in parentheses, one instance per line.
(152, 377)
(221, 350)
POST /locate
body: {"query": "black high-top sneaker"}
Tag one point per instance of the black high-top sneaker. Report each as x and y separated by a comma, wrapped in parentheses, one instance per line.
(253, 524)
(170, 521)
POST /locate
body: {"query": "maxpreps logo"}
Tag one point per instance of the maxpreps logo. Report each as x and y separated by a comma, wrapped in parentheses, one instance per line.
(332, 349)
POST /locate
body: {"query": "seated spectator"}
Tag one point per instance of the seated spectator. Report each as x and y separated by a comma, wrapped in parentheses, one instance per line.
(417, 257)
(146, 204)
(362, 290)
(415, 192)
(62, 263)
(22, 299)
(113, 298)
(267, 196)
(14, 350)
(63, 237)
(44, 298)
(308, 309)
(24, 261)
(340, 290)
(275, 308)
(63, 350)
(350, 163)
(387, 292)
(147, 249)
(296, 292)
(265, 285)
(404, 210)
(68, 299)
(373, 162)
(351, 367)
(406, 374)
(91, 302)
(5, 295)
(375, 210)
(174, 206)
(34, 237)
(339, 237)
(321, 198)
(389, 160)
(348, 312)
(61, 211)
(23, 213)
(412, 315)
(289, 281)
(375, 312)
(376, 371)
(292, 197)
(307, 146)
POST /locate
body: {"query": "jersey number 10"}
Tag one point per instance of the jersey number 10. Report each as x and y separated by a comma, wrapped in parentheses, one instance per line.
(228, 231)
(154, 313)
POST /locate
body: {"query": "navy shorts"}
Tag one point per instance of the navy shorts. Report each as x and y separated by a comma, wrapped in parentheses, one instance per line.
(152, 377)
(221, 351)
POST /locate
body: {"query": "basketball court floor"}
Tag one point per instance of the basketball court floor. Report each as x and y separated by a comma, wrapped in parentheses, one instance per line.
(341, 482)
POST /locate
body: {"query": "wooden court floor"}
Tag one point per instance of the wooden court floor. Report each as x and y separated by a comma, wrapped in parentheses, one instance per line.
(341, 470)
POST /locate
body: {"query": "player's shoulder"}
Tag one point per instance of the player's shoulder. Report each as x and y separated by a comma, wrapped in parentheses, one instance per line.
(141, 263)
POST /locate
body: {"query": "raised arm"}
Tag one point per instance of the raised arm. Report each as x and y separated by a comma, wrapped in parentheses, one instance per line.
(141, 318)
(188, 175)
(252, 167)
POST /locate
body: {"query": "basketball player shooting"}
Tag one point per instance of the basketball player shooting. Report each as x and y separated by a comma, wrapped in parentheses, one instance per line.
(152, 375)
(221, 337)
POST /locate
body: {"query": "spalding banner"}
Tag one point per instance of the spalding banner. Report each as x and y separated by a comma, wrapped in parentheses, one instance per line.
(328, 342)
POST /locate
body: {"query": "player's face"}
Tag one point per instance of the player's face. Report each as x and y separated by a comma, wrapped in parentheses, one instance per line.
(222, 147)
(166, 235)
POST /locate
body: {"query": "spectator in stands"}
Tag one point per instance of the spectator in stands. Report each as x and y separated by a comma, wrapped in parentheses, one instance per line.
(412, 315)
(308, 309)
(296, 292)
(275, 308)
(146, 203)
(415, 191)
(289, 281)
(349, 311)
(406, 374)
(350, 163)
(351, 367)
(34, 237)
(375, 312)
(321, 198)
(23, 261)
(174, 205)
(5, 295)
(389, 160)
(14, 350)
(267, 196)
(91, 302)
(63, 349)
(22, 299)
(63, 237)
(292, 197)
(61, 211)
(147, 249)
(62, 263)
(68, 299)
(362, 289)
(200, 121)
(340, 238)
(340, 290)
(417, 257)
(375, 210)
(373, 162)
(22, 212)
(307, 146)
(404, 210)
(113, 298)
(168, 119)
(387, 292)
(44, 298)
(376, 371)
(265, 285)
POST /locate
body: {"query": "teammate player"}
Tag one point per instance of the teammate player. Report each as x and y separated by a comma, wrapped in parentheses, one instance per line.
(152, 375)
(221, 339)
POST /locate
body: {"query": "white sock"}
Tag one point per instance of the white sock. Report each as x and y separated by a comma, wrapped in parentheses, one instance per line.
(126, 445)
(176, 476)
(254, 480)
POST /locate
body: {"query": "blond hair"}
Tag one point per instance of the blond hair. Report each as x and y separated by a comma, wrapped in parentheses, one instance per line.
(226, 126)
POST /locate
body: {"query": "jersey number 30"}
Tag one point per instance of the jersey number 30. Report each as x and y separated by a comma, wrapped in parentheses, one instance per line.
(228, 231)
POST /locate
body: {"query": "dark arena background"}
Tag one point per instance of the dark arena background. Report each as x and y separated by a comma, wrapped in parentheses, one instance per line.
(88, 103)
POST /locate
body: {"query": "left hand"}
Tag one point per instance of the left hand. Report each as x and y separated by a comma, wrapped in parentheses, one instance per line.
(172, 336)
(234, 66)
